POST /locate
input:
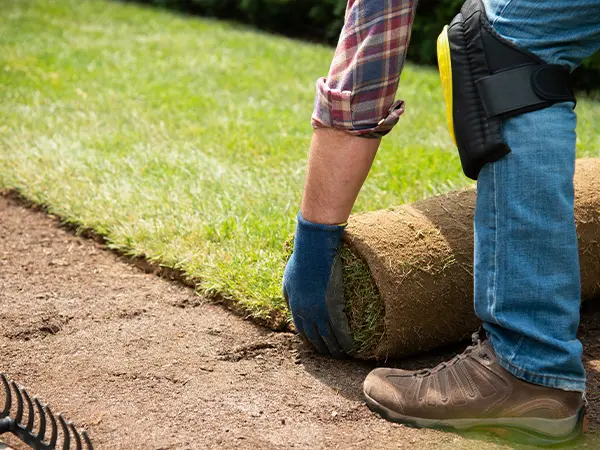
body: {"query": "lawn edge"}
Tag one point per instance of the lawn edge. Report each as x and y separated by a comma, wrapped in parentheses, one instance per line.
(275, 321)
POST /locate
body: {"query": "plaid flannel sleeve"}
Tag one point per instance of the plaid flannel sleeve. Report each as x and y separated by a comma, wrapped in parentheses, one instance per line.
(358, 94)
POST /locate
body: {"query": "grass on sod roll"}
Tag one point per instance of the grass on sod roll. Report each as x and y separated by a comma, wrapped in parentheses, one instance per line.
(364, 305)
(185, 140)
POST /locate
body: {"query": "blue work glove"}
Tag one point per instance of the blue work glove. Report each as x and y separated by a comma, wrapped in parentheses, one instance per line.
(313, 286)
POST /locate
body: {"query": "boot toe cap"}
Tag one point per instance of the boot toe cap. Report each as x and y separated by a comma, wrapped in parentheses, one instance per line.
(378, 388)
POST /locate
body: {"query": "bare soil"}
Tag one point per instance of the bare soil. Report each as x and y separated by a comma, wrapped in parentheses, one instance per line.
(143, 362)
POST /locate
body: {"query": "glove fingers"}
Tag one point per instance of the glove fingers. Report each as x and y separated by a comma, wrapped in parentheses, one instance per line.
(332, 343)
(297, 323)
(313, 336)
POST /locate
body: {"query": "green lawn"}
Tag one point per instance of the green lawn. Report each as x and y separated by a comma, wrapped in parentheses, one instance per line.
(185, 140)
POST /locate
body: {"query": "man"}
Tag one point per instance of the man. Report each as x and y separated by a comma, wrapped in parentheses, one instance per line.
(523, 376)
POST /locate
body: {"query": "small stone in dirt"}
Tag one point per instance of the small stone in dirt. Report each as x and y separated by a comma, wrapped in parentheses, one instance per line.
(58, 262)
(214, 331)
(334, 414)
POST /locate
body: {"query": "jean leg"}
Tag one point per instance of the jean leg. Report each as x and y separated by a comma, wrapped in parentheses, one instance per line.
(527, 282)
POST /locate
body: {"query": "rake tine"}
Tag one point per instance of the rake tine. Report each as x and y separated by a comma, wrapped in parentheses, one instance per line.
(65, 430)
(6, 424)
(8, 401)
(71, 436)
(42, 416)
(86, 438)
(19, 414)
(54, 436)
(75, 434)
(30, 412)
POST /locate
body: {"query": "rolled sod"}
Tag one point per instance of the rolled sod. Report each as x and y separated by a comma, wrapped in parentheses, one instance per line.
(408, 271)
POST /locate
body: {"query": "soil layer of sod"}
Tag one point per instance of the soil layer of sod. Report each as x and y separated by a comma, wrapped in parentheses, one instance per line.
(145, 363)
(406, 261)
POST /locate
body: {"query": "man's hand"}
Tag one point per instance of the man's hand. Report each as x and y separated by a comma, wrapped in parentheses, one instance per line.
(313, 287)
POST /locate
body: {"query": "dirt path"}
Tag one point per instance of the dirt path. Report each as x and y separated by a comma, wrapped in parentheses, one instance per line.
(145, 363)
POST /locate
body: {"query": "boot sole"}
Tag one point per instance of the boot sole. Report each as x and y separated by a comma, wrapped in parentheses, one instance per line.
(530, 431)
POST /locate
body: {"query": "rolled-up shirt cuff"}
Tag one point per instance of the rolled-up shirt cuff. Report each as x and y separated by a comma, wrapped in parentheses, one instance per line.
(337, 109)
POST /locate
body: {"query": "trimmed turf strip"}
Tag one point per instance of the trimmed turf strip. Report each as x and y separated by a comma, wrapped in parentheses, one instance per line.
(185, 140)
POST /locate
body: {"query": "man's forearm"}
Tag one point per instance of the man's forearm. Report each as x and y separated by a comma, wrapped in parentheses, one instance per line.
(355, 105)
(337, 168)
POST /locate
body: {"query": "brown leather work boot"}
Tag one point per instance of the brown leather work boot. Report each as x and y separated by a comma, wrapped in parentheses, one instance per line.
(473, 392)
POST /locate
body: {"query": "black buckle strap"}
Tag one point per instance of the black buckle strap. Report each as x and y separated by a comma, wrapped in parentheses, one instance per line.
(523, 89)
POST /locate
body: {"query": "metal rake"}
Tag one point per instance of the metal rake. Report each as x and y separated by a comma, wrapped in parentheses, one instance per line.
(43, 415)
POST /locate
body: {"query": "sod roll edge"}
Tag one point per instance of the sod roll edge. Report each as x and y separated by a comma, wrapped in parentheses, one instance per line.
(408, 271)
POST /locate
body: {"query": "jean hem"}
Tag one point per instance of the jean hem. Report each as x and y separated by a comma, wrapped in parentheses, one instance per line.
(565, 384)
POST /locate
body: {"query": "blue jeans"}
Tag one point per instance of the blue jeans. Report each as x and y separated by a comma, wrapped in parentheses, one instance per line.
(527, 281)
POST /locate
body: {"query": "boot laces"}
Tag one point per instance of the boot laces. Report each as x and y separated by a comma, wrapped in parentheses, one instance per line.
(477, 341)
